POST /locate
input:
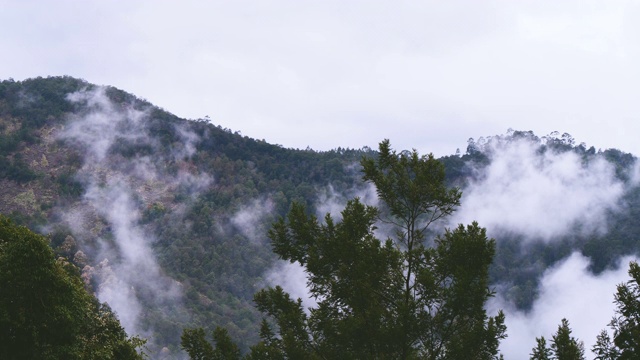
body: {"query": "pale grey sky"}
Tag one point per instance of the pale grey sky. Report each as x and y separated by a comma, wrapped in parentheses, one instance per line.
(425, 74)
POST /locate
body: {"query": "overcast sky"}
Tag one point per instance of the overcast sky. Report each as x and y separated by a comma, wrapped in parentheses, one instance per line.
(425, 74)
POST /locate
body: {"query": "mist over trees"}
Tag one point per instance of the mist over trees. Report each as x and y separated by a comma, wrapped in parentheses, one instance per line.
(168, 219)
(396, 299)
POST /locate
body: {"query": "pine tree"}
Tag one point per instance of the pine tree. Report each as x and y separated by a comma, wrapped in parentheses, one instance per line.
(565, 346)
(541, 351)
(604, 349)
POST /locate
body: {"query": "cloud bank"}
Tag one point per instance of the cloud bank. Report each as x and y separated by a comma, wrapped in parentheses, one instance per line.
(541, 195)
(567, 290)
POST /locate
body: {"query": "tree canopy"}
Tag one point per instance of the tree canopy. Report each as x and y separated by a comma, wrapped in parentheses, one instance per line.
(405, 297)
(45, 311)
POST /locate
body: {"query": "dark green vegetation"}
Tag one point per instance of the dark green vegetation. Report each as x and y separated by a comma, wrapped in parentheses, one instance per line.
(187, 198)
(205, 197)
(393, 299)
(45, 311)
(563, 346)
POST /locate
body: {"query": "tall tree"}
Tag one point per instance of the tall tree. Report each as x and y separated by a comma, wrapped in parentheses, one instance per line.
(444, 287)
(541, 351)
(565, 346)
(413, 295)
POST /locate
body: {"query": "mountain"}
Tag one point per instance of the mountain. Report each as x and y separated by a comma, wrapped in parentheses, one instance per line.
(167, 217)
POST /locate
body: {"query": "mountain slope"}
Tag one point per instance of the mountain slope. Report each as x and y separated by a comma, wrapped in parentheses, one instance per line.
(167, 218)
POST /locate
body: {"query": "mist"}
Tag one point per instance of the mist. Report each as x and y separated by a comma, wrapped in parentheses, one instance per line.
(118, 189)
(251, 218)
(567, 290)
(330, 201)
(536, 193)
(540, 195)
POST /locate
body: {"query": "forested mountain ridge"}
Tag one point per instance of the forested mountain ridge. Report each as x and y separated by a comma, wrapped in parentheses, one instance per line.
(167, 218)
(119, 183)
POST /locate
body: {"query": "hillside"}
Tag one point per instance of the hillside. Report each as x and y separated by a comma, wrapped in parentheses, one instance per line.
(167, 217)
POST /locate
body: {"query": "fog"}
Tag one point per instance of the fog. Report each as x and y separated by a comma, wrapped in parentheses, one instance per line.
(108, 220)
(540, 195)
(251, 218)
(545, 196)
(567, 290)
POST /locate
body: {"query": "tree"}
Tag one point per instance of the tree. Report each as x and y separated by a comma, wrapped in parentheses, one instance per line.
(626, 322)
(444, 288)
(402, 298)
(45, 312)
(604, 349)
(194, 342)
(565, 346)
(541, 351)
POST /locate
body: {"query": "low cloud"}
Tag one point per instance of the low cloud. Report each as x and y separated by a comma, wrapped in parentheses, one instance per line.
(330, 201)
(541, 195)
(293, 279)
(567, 290)
(250, 220)
(102, 124)
(118, 189)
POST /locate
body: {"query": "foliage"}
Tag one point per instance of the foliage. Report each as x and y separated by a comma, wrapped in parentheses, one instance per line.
(45, 312)
(218, 266)
(195, 344)
(395, 299)
(604, 349)
(15, 169)
(563, 346)
(626, 322)
(541, 351)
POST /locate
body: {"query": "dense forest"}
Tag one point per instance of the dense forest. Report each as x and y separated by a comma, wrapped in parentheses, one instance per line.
(167, 219)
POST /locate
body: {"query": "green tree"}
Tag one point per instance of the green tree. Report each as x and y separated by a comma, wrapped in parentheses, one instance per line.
(45, 312)
(565, 346)
(626, 322)
(541, 351)
(604, 349)
(444, 288)
(194, 342)
(403, 298)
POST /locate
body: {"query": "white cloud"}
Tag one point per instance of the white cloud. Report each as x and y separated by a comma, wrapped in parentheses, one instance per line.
(568, 290)
(249, 219)
(427, 75)
(330, 201)
(540, 196)
(117, 191)
(293, 279)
